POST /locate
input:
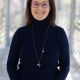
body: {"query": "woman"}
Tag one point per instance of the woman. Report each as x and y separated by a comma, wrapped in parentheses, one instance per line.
(40, 45)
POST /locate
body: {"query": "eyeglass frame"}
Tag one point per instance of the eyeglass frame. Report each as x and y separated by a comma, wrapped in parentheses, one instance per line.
(39, 4)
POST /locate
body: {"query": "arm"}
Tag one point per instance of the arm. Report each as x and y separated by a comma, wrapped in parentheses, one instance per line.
(64, 61)
(13, 58)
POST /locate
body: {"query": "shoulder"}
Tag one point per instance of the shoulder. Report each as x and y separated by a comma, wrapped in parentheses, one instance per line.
(21, 29)
(62, 34)
(19, 33)
(60, 30)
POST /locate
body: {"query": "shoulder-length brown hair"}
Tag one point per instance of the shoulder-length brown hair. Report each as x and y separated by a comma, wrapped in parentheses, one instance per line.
(28, 15)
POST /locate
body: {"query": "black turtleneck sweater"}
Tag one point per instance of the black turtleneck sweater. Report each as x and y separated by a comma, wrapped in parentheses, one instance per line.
(56, 53)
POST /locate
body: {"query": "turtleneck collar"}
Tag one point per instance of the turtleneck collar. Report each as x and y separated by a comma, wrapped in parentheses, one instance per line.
(40, 24)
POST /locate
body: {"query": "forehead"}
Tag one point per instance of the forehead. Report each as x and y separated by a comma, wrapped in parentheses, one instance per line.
(40, 0)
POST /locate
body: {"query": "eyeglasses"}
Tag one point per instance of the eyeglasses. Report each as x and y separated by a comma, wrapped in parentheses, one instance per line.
(36, 4)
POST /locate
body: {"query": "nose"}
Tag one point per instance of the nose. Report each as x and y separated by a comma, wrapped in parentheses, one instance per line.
(40, 7)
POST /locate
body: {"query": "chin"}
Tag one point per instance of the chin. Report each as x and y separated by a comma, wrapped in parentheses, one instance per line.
(39, 19)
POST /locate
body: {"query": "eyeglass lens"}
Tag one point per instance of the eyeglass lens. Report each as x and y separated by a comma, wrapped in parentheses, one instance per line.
(35, 4)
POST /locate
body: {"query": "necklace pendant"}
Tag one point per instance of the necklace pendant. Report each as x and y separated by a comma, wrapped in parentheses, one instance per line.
(43, 51)
(38, 64)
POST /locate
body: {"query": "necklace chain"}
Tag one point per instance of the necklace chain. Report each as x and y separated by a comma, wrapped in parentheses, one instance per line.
(42, 48)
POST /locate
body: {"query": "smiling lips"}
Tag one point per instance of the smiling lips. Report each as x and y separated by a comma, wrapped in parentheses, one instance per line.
(40, 13)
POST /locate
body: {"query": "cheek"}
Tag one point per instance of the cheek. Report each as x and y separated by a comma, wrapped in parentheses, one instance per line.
(47, 12)
(33, 11)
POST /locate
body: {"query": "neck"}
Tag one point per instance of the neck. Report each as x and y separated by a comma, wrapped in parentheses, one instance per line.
(40, 24)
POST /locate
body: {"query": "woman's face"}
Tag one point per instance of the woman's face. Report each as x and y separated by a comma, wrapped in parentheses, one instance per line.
(40, 9)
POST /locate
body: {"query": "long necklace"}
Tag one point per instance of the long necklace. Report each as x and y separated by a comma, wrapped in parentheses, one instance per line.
(39, 64)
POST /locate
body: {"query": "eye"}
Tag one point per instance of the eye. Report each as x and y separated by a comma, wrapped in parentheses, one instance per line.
(45, 5)
(35, 4)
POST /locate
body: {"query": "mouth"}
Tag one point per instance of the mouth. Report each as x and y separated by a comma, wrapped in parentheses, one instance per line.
(41, 13)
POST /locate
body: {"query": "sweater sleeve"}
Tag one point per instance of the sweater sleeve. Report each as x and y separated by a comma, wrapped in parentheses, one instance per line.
(64, 61)
(13, 57)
